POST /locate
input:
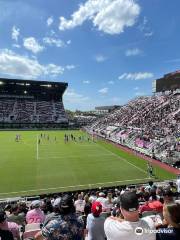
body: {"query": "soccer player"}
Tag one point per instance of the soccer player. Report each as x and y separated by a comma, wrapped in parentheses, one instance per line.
(150, 170)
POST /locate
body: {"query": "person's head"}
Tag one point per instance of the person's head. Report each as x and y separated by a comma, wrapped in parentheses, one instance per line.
(80, 197)
(2, 216)
(101, 194)
(35, 204)
(146, 196)
(66, 205)
(14, 209)
(171, 213)
(129, 206)
(150, 183)
(87, 208)
(109, 196)
(159, 191)
(96, 209)
(86, 198)
(168, 196)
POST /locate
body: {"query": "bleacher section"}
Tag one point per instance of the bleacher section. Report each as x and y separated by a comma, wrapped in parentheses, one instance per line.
(31, 102)
(26, 111)
(150, 125)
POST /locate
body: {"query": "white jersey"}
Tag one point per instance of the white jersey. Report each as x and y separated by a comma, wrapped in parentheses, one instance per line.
(116, 230)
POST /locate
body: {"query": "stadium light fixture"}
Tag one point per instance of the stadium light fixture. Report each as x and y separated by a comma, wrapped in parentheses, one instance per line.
(1, 82)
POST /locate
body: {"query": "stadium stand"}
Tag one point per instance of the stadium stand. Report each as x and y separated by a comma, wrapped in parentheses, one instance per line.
(150, 125)
(31, 102)
(97, 214)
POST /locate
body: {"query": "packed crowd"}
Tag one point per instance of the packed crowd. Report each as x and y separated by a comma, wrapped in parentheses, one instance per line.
(144, 212)
(148, 124)
(31, 111)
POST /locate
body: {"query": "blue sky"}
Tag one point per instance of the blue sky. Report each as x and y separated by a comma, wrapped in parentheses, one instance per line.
(109, 51)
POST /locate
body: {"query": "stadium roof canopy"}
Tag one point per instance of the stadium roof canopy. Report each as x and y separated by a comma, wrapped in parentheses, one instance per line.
(46, 90)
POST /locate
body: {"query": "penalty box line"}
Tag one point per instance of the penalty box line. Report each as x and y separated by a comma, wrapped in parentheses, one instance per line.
(90, 185)
(123, 159)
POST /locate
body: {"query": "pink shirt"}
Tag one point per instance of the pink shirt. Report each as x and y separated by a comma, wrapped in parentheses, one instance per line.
(35, 216)
(11, 226)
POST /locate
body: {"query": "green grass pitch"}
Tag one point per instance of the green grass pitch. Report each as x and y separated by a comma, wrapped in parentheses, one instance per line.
(29, 168)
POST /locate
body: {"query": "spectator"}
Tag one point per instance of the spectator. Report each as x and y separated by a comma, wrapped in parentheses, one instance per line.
(66, 225)
(15, 216)
(10, 226)
(168, 196)
(109, 202)
(79, 204)
(145, 207)
(129, 227)
(178, 184)
(92, 197)
(95, 223)
(35, 215)
(171, 213)
(102, 200)
(155, 204)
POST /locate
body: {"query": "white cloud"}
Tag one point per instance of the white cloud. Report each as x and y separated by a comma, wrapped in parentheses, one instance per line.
(136, 76)
(136, 88)
(50, 21)
(16, 45)
(15, 33)
(32, 45)
(109, 16)
(16, 65)
(103, 90)
(133, 52)
(86, 82)
(70, 67)
(71, 96)
(111, 82)
(68, 42)
(53, 42)
(145, 28)
(100, 58)
(149, 34)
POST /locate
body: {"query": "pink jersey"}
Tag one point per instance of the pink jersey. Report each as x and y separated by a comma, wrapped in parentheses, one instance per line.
(35, 216)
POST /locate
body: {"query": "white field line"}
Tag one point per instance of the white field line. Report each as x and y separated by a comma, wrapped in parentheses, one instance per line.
(122, 159)
(75, 186)
(73, 156)
(37, 148)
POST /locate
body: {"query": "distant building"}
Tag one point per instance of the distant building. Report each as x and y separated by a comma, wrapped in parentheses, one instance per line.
(168, 82)
(106, 109)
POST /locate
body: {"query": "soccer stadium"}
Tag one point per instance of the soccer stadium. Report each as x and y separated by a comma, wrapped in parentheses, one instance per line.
(79, 168)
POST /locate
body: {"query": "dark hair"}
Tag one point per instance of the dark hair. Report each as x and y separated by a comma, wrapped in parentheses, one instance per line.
(153, 195)
(14, 208)
(146, 196)
(174, 212)
(66, 205)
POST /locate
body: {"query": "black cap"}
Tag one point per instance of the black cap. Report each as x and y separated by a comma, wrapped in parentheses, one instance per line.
(66, 201)
(129, 201)
(2, 216)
